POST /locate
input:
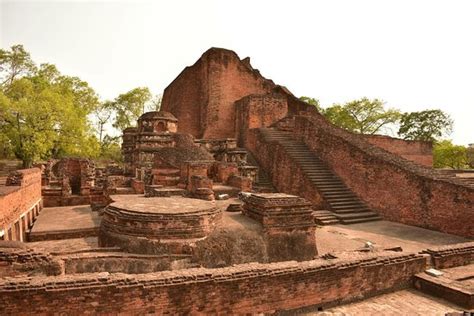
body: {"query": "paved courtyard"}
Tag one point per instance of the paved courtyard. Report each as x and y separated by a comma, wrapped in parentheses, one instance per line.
(406, 302)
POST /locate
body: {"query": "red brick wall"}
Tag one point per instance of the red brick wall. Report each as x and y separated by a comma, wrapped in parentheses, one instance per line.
(202, 96)
(417, 151)
(256, 111)
(248, 288)
(399, 190)
(18, 199)
(138, 186)
(452, 255)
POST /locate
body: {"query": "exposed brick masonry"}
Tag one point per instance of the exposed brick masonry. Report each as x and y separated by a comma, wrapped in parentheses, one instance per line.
(20, 203)
(202, 96)
(418, 151)
(398, 189)
(248, 288)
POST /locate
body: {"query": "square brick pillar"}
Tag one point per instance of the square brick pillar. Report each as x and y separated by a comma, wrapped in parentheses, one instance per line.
(288, 224)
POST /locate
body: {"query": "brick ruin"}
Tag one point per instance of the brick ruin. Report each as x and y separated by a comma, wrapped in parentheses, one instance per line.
(348, 177)
(217, 208)
(68, 181)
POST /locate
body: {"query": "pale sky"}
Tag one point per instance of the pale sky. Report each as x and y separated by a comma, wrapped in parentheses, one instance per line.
(413, 54)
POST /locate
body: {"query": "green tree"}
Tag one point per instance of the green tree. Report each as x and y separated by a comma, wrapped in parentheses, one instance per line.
(103, 114)
(312, 101)
(429, 125)
(362, 116)
(110, 149)
(446, 154)
(14, 63)
(129, 106)
(155, 103)
(470, 156)
(42, 112)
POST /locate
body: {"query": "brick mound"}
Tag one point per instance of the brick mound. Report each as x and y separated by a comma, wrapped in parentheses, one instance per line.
(157, 225)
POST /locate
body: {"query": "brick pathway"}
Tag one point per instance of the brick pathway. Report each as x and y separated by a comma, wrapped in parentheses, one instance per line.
(406, 302)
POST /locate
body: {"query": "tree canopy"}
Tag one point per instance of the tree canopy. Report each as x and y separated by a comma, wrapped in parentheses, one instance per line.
(446, 154)
(45, 114)
(429, 125)
(129, 106)
(364, 116)
(42, 112)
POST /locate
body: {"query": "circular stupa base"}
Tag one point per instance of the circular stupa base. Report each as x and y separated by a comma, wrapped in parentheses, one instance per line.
(157, 225)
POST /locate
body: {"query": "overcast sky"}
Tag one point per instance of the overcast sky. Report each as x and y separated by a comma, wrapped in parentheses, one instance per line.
(414, 54)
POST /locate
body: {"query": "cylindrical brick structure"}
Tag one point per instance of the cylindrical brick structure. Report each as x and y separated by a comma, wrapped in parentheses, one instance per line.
(158, 225)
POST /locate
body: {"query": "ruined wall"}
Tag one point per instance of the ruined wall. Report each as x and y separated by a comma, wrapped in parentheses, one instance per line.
(418, 151)
(248, 288)
(16, 260)
(451, 255)
(202, 96)
(20, 203)
(399, 190)
(256, 111)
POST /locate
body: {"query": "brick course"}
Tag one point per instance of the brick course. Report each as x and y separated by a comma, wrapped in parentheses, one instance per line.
(247, 288)
(20, 203)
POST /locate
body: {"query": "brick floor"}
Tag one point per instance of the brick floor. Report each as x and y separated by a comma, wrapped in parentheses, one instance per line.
(382, 234)
(406, 302)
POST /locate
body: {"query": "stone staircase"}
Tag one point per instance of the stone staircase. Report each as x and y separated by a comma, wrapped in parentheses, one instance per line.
(344, 205)
(324, 217)
(263, 184)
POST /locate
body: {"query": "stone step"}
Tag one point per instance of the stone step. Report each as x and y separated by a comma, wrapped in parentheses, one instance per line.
(332, 199)
(324, 217)
(360, 220)
(351, 210)
(325, 222)
(345, 216)
(333, 196)
(322, 177)
(323, 212)
(332, 191)
(355, 206)
(323, 183)
(346, 202)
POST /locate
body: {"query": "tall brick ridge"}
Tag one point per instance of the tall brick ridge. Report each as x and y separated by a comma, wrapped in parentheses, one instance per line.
(202, 96)
(222, 96)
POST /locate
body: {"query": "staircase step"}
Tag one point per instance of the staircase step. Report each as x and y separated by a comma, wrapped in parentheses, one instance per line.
(360, 220)
(366, 214)
(354, 206)
(345, 205)
(326, 222)
(334, 191)
(351, 211)
(331, 199)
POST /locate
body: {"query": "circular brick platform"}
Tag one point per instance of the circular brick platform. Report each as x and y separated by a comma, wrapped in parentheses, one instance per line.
(157, 225)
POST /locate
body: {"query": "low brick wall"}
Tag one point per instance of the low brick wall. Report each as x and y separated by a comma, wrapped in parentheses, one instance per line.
(420, 152)
(452, 255)
(121, 263)
(247, 288)
(63, 234)
(20, 203)
(15, 262)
